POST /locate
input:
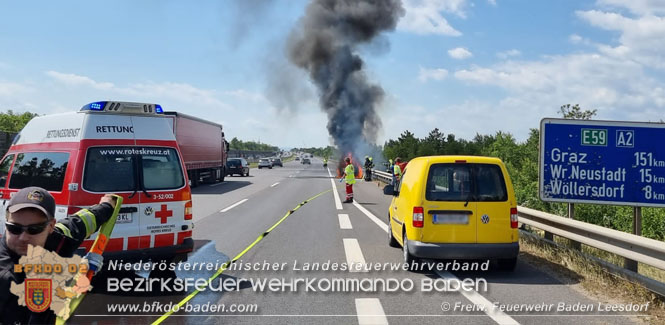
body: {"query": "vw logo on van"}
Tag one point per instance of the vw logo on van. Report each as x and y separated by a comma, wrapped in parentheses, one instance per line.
(148, 211)
(485, 219)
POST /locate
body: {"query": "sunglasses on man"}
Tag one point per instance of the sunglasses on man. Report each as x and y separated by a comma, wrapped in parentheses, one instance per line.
(33, 229)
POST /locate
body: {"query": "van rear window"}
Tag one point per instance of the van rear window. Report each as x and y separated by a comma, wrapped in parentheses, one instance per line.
(44, 169)
(117, 169)
(465, 182)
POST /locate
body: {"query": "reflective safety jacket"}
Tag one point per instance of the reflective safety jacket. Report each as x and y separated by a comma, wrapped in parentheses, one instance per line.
(350, 174)
(397, 171)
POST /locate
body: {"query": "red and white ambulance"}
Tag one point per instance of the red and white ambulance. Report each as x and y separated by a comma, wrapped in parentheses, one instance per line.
(109, 147)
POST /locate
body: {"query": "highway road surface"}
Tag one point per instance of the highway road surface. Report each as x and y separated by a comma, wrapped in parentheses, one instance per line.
(325, 233)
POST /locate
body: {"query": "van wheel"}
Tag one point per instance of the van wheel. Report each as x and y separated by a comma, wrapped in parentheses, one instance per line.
(392, 242)
(507, 264)
(410, 260)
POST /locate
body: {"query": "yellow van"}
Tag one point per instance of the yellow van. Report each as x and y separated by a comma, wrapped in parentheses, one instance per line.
(455, 207)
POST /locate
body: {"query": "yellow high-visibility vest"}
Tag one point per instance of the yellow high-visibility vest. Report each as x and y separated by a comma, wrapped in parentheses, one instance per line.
(397, 171)
(350, 174)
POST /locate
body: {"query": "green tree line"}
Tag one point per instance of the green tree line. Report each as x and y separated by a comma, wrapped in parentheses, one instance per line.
(521, 160)
(13, 122)
(326, 152)
(237, 144)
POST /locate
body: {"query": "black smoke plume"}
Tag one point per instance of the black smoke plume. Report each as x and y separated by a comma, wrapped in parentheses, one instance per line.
(326, 46)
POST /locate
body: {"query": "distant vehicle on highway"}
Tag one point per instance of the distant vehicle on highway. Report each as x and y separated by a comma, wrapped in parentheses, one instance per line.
(455, 207)
(265, 163)
(297, 158)
(237, 166)
(277, 162)
(306, 161)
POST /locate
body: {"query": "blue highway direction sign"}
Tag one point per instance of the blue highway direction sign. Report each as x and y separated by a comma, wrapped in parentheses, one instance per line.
(602, 162)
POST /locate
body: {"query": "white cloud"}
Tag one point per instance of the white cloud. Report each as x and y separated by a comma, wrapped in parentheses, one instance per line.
(243, 94)
(619, 89)
(8, 89)
(459, 53)
(492, 2)
(641, 38)
(575, 39)
(425, 16)
(640, 7)
(244, 113)
(507, 54)
(620, 79)
(434, 74)
(76, 80)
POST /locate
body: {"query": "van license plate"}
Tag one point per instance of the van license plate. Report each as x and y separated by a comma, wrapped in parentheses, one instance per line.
(124, 218)
(454, 219)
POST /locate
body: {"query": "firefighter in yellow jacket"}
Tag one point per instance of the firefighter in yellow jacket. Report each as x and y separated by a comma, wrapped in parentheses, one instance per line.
(350, 178)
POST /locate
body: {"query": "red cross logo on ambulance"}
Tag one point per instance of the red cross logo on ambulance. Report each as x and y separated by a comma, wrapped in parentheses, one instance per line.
(164, 213)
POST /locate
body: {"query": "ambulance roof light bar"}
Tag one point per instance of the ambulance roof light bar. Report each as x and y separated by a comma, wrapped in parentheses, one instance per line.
(123, 107)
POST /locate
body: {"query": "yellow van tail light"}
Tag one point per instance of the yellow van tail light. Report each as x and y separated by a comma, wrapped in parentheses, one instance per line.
(513, 217)
(418, 217)
(188, 210)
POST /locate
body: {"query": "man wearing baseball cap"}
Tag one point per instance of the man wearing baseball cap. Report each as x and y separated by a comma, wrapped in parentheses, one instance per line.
(31, 221)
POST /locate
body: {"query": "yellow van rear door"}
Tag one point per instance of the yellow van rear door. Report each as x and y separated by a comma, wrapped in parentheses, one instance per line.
(450, 214)
(493, 207)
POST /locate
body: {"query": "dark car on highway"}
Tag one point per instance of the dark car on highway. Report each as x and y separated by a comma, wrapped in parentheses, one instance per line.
(277, 162)
(306, 161)
(237, 166)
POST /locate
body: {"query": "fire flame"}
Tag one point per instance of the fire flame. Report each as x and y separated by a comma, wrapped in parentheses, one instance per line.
(356, 165)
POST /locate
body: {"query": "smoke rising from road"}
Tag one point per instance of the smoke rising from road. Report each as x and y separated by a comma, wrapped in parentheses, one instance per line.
(325, 44)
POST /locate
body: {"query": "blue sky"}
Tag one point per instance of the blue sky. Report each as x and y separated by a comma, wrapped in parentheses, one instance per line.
(463, 66)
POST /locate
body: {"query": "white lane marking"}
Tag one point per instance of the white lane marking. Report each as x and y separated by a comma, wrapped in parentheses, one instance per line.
(371, 216)
(354, 255)
(344, 221)
(473, 296)
(234, 205)
(218, 184)
(495, 313)
(338, 202)
(273, 185)
(370, 311)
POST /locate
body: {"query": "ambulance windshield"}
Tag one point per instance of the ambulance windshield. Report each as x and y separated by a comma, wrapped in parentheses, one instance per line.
(118, 169)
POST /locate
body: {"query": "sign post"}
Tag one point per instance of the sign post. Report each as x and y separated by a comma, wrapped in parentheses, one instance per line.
(603, 162)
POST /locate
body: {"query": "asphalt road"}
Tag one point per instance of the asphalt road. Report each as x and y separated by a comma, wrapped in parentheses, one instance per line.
(230, 216)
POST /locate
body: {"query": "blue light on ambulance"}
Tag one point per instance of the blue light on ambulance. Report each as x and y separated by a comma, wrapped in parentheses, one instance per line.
(96, 106)
(158, 109)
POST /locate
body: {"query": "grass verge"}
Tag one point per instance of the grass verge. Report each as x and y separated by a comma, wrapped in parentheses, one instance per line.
(570, 266)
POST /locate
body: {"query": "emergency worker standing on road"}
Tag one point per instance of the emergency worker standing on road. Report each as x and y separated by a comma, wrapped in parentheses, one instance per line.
(350, 178)
(397, 173)
(368, 168)
(30, 220)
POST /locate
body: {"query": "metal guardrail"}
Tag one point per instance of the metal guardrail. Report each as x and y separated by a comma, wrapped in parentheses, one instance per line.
(629, 246)
(382, 176)
(637, 248)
